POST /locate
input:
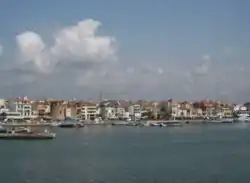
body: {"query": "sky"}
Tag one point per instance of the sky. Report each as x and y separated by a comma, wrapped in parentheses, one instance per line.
(133, 49)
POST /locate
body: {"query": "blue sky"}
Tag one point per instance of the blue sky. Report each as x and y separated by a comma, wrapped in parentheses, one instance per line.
(171, 35)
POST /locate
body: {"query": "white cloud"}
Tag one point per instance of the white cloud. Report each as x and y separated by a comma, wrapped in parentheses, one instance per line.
(76, 58)
(30, 45)
(74, 43)
(81, 42)
(33, 49)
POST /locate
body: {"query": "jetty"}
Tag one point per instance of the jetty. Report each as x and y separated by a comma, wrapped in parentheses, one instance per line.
(20, 133)
(27, 136)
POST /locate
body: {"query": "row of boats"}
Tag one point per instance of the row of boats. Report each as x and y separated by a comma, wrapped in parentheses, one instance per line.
(19, 132)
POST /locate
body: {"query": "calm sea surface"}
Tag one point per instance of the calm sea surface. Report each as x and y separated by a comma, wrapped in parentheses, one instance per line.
(194, 153)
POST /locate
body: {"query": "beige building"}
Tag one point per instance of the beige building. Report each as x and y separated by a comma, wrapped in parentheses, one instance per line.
(71, 109)
(3, 102)
(58, 109)
(88, 111)
(120, 111)
(41, 108)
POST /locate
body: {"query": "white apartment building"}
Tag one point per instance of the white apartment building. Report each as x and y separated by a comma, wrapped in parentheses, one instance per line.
(111, 112)
(22, 106)
(88, 111)
(120, 112)
(135, 111)
(10, 115)
(110, 109)
(175, 110)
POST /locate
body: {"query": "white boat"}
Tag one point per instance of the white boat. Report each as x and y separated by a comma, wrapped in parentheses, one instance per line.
(243, 117)
(227, 120)
(55, 124)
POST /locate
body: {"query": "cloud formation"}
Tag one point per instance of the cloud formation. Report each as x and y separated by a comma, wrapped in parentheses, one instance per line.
(77, 43)
(76, 62)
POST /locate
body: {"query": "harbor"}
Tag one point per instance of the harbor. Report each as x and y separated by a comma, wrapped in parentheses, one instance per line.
(39, 131)
(25, 131)
(25, 113)
(125, 91)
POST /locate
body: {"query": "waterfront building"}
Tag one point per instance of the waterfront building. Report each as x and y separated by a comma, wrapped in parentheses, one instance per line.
(6, 114)
(3, 102)
(247, 105)
(71, 110)
(135, 111)
(240, 110)
(120, 112)
(22, 106)
(57, 109)
(175, 106)
(227, 112)
(41, 109)
(196, 113)
(109, 109)
(211, 112)
(88, 111)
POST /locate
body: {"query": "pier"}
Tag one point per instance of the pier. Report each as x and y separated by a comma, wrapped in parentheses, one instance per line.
(24, 136)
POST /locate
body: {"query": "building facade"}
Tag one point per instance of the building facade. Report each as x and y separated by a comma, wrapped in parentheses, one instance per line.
(88, 111)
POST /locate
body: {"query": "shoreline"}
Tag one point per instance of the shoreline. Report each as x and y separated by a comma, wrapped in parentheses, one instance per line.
(121, 122)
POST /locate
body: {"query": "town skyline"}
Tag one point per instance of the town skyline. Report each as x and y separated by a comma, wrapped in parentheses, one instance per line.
(25, 108)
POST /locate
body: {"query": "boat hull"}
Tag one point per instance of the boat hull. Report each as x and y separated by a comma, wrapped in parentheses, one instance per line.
(71, 125)
(9, 136)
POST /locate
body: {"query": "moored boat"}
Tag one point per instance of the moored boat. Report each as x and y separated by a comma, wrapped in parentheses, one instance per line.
(71, 125)
(67, 125)
(26, 134)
